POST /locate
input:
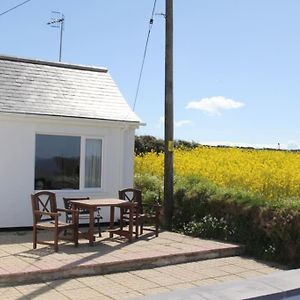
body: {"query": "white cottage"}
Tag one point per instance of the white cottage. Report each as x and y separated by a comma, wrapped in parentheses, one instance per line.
(64, 128)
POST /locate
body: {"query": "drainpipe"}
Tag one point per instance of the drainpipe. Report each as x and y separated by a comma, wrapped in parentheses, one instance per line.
(121, 159)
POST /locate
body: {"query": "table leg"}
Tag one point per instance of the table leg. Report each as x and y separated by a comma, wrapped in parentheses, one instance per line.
(91, 226)
(112, 220)
(76, 226)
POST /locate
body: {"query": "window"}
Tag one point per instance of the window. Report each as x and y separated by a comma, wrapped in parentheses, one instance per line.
(59, 165)
(93, 150)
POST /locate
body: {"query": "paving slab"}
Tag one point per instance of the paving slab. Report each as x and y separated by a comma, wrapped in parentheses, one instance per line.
(19, 263)
(143, 283)
(278, 285)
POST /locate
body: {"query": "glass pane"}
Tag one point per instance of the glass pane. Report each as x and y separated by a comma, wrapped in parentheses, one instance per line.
(57, 161)
(93, 157)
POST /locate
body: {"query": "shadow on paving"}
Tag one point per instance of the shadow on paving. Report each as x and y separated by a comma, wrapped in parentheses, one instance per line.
(20, 264)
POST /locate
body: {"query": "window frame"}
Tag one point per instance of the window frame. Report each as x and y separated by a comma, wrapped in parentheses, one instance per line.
(83, 139)
(82, 164)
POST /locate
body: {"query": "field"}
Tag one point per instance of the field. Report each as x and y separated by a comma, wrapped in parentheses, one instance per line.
(247, 196)
(270, 174)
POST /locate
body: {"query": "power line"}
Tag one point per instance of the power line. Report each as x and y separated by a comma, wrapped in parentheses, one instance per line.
(7, 11)
(144, 55)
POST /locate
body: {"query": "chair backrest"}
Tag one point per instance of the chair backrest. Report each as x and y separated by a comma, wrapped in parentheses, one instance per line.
(44, 202)
(132, 195)
(67, 200)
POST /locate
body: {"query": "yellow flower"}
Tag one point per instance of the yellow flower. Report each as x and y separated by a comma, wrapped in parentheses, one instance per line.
(271, 174)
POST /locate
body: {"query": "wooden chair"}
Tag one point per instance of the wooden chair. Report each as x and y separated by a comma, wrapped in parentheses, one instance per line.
(83, 213)
(144, 214)
(46, 217)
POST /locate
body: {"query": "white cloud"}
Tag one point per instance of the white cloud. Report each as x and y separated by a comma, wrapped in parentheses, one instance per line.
(182, 123)
(176, 123)
(214, 105)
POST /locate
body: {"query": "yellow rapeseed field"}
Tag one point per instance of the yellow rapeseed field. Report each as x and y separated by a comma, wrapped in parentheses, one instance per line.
(271, 174)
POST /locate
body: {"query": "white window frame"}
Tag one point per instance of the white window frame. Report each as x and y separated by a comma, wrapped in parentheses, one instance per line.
(83, 139)
(82, 164)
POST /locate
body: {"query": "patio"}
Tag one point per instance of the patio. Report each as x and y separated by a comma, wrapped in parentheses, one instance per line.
(22, 264)
(175, 279)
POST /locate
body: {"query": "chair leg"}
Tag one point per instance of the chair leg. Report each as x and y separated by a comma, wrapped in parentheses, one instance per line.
(142, 228)
(67, 221)
(34, 237)
(56, 240)
(121, 217)
(99, 227)
(136, 229)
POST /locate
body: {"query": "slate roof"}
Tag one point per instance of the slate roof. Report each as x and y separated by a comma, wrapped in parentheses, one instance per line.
(57, 89)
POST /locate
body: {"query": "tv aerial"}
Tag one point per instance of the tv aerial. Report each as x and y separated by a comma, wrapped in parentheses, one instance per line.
(58, 21)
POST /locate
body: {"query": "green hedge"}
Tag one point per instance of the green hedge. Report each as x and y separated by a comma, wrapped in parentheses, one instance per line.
(268, 231)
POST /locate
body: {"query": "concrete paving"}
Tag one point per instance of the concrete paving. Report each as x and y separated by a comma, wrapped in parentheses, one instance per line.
(279, 285)
(116, 269)
(176, 279)
(20, 263)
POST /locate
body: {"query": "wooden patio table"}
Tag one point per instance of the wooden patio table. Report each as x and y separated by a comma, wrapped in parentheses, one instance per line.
(92, 204)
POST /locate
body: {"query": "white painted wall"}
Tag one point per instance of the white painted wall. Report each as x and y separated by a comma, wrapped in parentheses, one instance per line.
(17, 159)
(128, 137)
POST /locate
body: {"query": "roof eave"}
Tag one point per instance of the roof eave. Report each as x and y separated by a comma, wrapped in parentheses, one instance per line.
(24, 114)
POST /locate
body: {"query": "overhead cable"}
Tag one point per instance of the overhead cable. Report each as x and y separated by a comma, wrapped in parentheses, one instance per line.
(144, 55)
(9, 10)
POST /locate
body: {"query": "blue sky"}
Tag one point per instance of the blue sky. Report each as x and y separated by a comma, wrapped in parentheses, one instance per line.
(236, 62)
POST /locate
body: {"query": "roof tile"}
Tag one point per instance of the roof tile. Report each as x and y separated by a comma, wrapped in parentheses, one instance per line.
(46, 88)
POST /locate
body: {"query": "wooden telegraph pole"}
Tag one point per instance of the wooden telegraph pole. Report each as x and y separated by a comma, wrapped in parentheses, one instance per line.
(169, 127)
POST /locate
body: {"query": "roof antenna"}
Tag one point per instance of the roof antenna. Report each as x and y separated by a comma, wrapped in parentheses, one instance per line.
(58, 21)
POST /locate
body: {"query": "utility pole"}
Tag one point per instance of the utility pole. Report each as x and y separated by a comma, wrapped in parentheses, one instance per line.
(169, 126)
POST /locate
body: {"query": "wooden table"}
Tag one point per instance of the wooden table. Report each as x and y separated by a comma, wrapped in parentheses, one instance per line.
(92, 204)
